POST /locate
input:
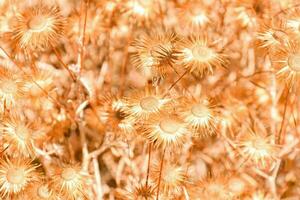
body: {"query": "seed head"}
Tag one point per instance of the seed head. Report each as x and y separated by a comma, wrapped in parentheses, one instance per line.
(16, 175)
(198, 56)
(37, 28)
(166, 130)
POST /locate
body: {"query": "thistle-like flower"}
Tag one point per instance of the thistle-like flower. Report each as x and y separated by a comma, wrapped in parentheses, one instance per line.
(194, 15)
(140, 192)
(141, 11)
(154, 52)
(11, 88)
(18, 135)
(287, 63)
(273, 36)
(69, 181)
(213, 188)
(37, 27)
(16, 175)
(144, 104)
(40, 191)
(293, 21)
(166, 130)
(257, 147)
(114, 112)
(200, 115)
(173, 178)
(198, 56)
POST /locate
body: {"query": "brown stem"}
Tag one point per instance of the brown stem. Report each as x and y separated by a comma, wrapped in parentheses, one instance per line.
(177, 81)
(160, 172)
(63, 64)
(149, 162)
(283, 117)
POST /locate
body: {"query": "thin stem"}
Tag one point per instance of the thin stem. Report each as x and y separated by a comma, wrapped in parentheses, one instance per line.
(160, 172)
(33, 81)
(149, 162)
(63, 64)
(82, 36)
(177, 81)
(283, 117)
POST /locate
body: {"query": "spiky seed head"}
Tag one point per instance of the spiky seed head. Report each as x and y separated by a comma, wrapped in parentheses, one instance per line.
(141, 11)
(11, 88)
(37, 27)
(16, 175)
(198, 56)
(154, 52)
(213, 187)
(200, 115)
(273, 36)
(114, 111)
(287, 64)
(194, 15)
(41, 191)
(258, 148)
(173, 178)
(18, 135)
(292, 20)
(69, 181)
(141, 192)
(145, 104)
(166, 130)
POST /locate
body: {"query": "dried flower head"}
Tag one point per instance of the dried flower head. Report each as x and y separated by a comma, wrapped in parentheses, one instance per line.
(258, 147)
(40, 191)
(287, 63)
(273, 36)
(141, 11)
(69, 181)
(213, 188)
(11, 88)
(197, 55)
(173, 178)
(166, 130)
(16, 175)
(194, 15)
(145, 104)
(18, 135)
(141, 192)
(154, 52)
(293, 20)
(37, 27)
(200, 115)
(114, 112)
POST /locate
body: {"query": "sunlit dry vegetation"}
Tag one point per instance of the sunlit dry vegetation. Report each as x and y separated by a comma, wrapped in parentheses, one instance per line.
(149, 99)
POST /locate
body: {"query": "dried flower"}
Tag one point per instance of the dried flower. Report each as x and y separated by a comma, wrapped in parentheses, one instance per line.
(37, 27)
(166, 130)
(173, 178)
(69, 181)
(199, 115)
(16, 175)
(155, 52)
(197, 55)
(19, 136)
(144, 104)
